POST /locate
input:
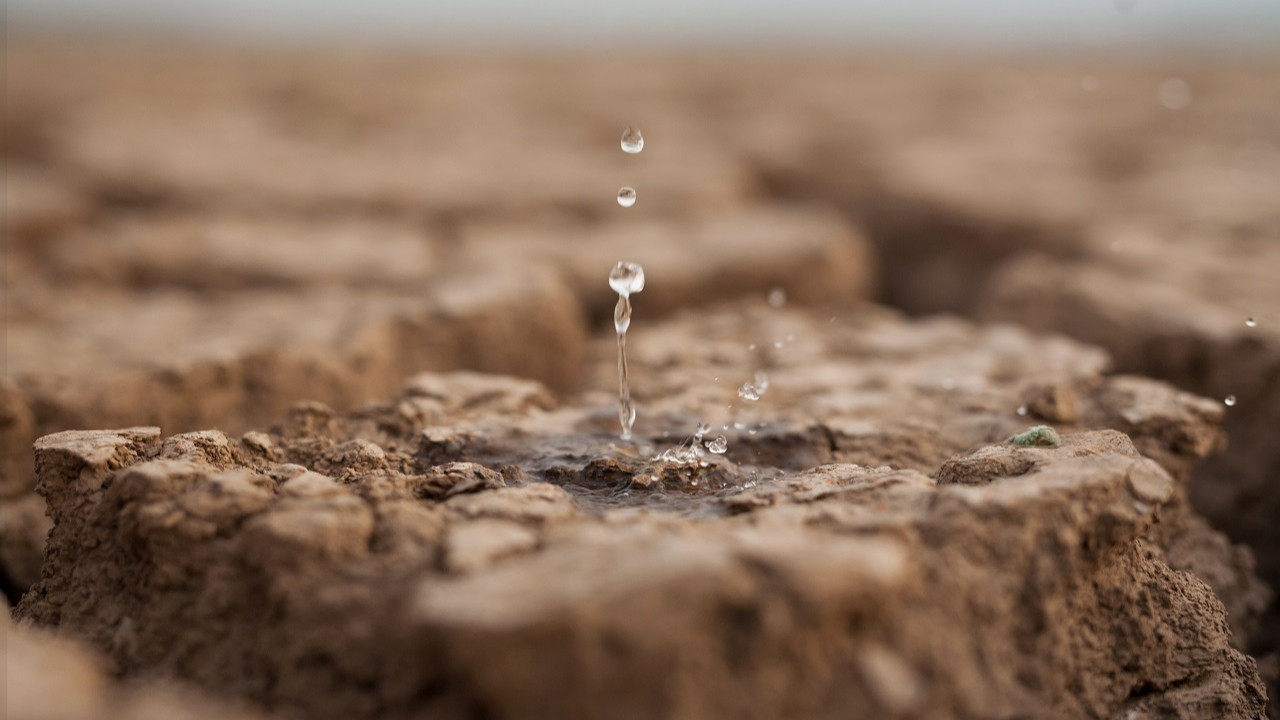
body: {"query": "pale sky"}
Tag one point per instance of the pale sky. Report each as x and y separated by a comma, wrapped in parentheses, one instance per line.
(682, 23)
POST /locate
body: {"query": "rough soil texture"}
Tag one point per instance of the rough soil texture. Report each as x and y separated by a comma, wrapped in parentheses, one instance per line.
(49, 678)
(198, 238)
(875, 548)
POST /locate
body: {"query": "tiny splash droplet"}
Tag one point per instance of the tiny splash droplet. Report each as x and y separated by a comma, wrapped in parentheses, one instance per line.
(718, 445)
(632, 141)
(755, 388)
(627, 197)
(777, 297)
(1229, 401)
(1250, 322)
(1022, 410)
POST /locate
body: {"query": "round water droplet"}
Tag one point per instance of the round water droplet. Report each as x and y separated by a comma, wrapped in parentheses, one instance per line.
(752, 346)
(1175, 93)
(718, 445)
(777, 297)
(627, 197)
(1250, 322)
(1230, 400)
(626, 278)
(632, 141)
(748, 392)
(1022, 410)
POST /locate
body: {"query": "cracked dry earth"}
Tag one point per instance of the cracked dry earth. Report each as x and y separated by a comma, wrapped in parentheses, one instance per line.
(871, 545)
(479, 545)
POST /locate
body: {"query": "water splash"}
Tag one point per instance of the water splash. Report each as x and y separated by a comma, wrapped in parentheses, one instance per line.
(718, 445)
(626, 278)
(627, 196)
(756, 388)
(632, 141)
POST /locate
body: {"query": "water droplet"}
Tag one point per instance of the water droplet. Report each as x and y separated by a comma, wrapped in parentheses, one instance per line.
(1089, 83)
(632, 141)
(1022, 410)
(777, 344)
(626, 278)
(752, 346)
(627, 197)
(1230, 400)
(754, 389)
(1250, 322)
(1141, 507)
(718, 445)
(777, 297)
(1175, 93)
(703, 429)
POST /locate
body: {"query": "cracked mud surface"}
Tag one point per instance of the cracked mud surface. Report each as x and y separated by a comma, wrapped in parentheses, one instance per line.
(476, 546)
(472, 544)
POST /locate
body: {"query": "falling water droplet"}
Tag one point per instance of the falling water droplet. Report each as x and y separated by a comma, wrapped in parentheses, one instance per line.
(632, 141)
(1230, 400)
(777, 297)
(627, 197)
(625, 278)
(1250, 322)
(718, 445)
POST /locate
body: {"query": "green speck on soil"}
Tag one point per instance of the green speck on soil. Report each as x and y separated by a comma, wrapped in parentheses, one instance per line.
(1037, 436)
